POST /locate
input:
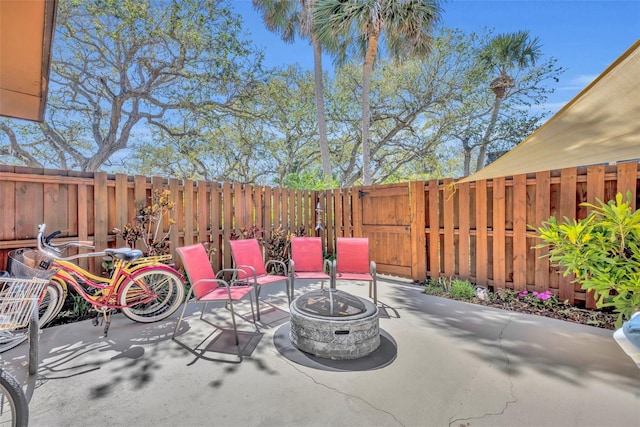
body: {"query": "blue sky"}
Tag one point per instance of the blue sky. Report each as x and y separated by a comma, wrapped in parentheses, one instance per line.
(584, 36)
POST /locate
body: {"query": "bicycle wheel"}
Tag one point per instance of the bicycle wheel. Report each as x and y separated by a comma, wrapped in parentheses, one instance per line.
(167, 292)
(51, 304)
(47, 311)
(14, 410)
(34, 332)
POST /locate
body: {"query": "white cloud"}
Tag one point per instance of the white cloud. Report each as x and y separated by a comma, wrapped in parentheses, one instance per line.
(579, 82)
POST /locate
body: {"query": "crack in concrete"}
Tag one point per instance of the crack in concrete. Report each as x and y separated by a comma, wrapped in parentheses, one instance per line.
(294, 366)
(348, 395)
(508, 402)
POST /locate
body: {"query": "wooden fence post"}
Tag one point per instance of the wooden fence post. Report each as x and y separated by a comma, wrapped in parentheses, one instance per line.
(418, 235)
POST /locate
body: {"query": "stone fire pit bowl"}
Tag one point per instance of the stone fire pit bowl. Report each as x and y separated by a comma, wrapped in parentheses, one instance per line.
(334, 324)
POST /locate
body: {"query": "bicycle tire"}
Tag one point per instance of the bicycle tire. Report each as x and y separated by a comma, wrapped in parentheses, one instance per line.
(167, 285)
(48, 309)
(13, 402)
(34, 333)
(51, 304)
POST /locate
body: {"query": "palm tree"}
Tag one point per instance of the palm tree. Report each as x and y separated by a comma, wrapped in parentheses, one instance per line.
(285, 17)
(358, 25)
(504, 54)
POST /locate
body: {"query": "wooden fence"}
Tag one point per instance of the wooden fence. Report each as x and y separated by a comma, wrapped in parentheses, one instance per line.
(477, 231)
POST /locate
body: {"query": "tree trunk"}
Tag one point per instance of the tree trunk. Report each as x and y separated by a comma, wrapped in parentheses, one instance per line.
(466, 148)
(367, 69)
(487, 134)
(322, 121)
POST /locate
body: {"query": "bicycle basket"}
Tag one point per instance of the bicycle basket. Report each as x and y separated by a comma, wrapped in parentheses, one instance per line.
(17, 299)
(29, 263)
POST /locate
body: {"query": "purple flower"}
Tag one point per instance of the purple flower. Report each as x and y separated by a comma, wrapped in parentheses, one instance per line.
(523, 293)
(544, 296)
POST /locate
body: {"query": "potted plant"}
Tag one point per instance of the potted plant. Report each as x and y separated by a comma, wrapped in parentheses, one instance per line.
(603, 251)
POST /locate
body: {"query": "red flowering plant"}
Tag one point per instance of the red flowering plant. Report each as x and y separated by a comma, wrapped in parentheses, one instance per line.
(147, 225)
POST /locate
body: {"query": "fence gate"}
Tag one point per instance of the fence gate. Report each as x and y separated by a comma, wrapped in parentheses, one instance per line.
(384, 216)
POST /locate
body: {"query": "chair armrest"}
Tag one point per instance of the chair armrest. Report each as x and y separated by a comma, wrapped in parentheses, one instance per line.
(281, 264)
(292, 268)
(235, 272)
(220, 282)
(242, 272)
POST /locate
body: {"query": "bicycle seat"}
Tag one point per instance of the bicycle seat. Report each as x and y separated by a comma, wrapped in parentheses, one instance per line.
(125, 254)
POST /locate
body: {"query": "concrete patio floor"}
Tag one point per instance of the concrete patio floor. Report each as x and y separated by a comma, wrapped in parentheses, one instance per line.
(444, 363)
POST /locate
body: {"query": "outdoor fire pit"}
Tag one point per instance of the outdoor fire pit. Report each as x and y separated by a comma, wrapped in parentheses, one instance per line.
(334, 324)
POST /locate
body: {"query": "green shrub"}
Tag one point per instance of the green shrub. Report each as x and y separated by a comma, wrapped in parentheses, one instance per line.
(436, 286)
(603, 251)
(461, 289)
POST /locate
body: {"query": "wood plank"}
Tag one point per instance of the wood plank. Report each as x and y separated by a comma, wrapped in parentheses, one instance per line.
(29, 209)
(338, 220)
(190, 205)
(216, 236)
(203, 217)
(227, 224)
(595, 192)
(268, 208)
(277, 211)
(141, 194)
(417, 230)
(394, 270)
(121, 207)
(258, 197)
(100, 200)
(482, 255)
(239, 220)
(567, 210)
(499, 241)
(249, 205)
(542, 210)
(8, 210)
(299, 221)
(628, 181)
(449, 253)
(83, 222)
(285, 218)
(392, 229)
(356, 211)
(176, 215)
(464, 226)
(520, 249)
(434, 230)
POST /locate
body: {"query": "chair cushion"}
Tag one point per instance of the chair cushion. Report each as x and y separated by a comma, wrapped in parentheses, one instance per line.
(306, 253)
(310, 275)
(270, 278)
(352, 255)
(247, 252)
(354, 276)
(220, 294)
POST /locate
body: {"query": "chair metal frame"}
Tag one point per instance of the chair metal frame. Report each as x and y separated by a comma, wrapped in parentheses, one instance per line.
(353, 263)
(249, 262)
(207, 286)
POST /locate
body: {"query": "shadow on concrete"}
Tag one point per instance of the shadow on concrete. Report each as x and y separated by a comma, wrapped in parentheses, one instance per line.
(516, 341)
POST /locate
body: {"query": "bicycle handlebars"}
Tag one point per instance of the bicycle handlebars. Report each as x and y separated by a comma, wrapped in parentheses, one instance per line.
(45, 245)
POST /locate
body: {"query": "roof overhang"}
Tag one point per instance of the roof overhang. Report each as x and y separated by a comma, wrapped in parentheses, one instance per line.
(26, 35)
(600, 125)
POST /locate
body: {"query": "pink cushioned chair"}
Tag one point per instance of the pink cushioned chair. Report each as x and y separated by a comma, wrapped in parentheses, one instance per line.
(307, 261)
(248, 260)
(207, 287)
(352, 263)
